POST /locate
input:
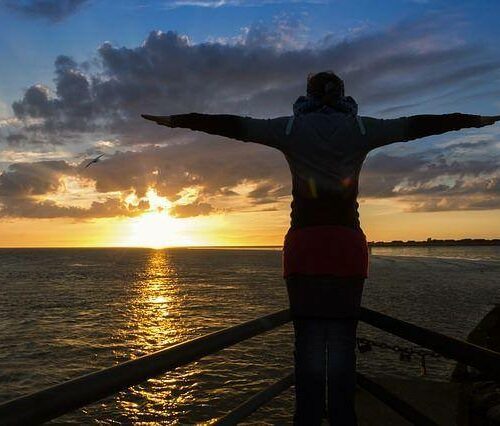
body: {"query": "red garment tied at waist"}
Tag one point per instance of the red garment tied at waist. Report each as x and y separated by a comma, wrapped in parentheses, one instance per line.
(325, 250)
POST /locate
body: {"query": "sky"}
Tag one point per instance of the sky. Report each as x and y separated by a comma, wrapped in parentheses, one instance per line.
(77, 74)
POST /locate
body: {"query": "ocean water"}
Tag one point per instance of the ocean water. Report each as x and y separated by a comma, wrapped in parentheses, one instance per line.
(450, 252)
(67, 312)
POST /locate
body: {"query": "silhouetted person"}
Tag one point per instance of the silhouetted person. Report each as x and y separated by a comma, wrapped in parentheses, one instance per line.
(325, 256)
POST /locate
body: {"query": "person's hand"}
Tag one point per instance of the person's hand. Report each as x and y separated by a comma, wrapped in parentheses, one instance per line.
(487, 120)
(162, 120)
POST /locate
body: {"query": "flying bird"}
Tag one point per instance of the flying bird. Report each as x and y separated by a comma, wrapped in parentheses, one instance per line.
(95, 160)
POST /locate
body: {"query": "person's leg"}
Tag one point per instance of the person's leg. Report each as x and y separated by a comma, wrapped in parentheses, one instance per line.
(341, 371)
(310, 371)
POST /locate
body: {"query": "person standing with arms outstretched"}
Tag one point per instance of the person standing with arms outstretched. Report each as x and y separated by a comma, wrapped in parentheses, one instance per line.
(325, 254)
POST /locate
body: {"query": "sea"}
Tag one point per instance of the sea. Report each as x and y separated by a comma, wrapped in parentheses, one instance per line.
(68, 312)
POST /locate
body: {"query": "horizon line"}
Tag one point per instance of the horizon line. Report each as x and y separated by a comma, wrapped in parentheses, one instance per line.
(228, 246)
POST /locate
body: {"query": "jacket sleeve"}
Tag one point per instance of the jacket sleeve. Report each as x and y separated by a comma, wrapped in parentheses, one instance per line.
(380, 132)
(268, 131)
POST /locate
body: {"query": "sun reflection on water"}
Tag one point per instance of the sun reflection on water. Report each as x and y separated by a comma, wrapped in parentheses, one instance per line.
(155, 323)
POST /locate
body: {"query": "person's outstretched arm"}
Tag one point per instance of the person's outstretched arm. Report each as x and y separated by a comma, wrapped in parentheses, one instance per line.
(381, 132)
(268, 131)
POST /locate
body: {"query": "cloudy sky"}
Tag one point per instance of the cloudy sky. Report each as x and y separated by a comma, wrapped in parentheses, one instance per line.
(76, 74)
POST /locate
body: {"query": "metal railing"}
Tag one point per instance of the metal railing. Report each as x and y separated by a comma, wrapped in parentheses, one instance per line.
(57, 400)
(476, 356)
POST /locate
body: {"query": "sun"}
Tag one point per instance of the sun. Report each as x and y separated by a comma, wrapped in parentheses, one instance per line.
(156, 228)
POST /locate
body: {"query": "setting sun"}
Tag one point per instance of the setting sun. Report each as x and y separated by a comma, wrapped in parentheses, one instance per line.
(156, 228)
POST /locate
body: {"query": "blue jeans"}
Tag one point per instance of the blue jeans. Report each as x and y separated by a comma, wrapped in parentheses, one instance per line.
(325, 354)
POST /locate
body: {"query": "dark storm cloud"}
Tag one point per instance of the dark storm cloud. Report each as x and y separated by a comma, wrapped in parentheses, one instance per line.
(29, 179)
(15, 139)
(213, 165)
(269, 192)
(22, 184)
(397, 91)
(71, 107)
(437, 204)
(51, 10)
(168, 74)
(261, 75)
(435, 180)
(191, 210)
(30, 208)
(35, 103)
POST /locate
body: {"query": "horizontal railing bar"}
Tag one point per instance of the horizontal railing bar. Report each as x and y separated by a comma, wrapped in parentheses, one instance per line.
(60, 399)
(393, 401)
(481, 358)
(256, 401)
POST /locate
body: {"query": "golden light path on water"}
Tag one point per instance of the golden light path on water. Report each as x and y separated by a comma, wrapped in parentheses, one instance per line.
(154, 324)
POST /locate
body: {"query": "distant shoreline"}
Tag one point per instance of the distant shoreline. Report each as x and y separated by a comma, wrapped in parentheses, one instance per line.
(466, 242)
